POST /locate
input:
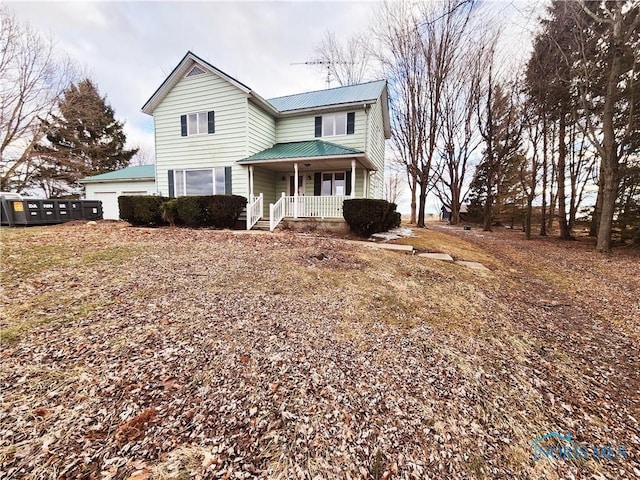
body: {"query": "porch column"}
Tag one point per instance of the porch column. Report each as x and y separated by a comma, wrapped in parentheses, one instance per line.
(353, 179)
(295, 190)
(250, 183)
(365, 184)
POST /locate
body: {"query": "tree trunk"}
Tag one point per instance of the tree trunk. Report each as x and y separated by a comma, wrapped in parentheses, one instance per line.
(565, 233)
(487, 211)
(597, 209)
(422, 205)
(527, 219)
(545, 173)
(609, 195)
(610, 160)
(413, 187)
(455, 204)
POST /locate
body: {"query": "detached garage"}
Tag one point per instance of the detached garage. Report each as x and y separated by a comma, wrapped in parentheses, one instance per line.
(107, 187)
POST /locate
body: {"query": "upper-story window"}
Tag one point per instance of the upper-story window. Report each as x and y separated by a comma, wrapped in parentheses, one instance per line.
(333, 124)
(198, 123)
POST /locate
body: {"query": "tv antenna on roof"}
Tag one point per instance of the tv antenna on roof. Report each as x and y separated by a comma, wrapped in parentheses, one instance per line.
(328, 63)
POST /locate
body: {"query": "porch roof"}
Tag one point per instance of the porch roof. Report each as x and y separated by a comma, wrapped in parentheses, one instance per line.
(306, 149)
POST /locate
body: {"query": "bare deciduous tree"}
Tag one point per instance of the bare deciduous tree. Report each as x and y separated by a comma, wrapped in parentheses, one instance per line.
(459, 132)
(31, 81)
(347, 62)
(401, 59)
(419, 45)
(144, 156)
(393, 184)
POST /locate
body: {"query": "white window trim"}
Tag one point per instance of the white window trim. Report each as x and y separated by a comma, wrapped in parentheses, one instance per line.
(334, 115)
(184, 180)
(206, 132)
(333, 182)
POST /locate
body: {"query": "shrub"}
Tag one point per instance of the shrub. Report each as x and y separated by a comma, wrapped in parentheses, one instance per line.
(191, 211)
(141, 210)
(224, 210)
(367, 216)
(394, 219)
(220, 211)
(125, 207)
(169, 210)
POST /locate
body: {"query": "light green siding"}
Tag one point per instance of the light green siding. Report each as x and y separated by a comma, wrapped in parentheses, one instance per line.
(262, 130)
(283, 185)
(375, 149)
(297, 129)
(228, 144)
(376, 140)
(264, 181)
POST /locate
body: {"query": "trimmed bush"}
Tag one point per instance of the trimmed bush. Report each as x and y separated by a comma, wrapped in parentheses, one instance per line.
(366, 216)
(141, 210)
(125, 207)
(191, 211)
(169, 210)
(219, 211)
(224, 210)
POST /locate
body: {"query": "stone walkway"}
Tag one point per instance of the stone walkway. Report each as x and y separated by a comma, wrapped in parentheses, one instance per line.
(444, 257)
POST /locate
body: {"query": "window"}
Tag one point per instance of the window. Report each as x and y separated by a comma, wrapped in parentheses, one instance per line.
(197, 123)
(333, 124)
(334, 184)
(209, 181)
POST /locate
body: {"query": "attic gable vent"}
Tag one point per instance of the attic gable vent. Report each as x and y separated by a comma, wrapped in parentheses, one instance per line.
(196, 70)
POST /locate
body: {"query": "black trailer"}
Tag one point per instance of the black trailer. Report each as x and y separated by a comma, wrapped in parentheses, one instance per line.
(18, 211)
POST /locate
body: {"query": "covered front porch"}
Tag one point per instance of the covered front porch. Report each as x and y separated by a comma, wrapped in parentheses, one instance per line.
(304, 186)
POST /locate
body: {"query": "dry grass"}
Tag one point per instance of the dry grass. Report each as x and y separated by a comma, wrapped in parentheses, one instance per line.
(438, 241)
(170, 353)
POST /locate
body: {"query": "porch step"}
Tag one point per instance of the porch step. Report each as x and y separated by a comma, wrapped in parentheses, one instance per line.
(261, 225)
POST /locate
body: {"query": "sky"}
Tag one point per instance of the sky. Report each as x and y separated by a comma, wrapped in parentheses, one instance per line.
(129, 48)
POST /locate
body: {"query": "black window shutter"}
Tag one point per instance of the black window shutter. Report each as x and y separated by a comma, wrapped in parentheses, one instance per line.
(351, 123)
(317, 184)
(171, 186)
(318, 126)
(211, 121)
(347, 181)
(227, 180)
(183, 125)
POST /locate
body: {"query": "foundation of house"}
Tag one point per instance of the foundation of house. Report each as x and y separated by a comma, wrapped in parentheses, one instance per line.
(333, 225)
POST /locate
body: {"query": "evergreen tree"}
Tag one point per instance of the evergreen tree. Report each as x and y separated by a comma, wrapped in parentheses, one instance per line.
(501, 130)
(83, 139)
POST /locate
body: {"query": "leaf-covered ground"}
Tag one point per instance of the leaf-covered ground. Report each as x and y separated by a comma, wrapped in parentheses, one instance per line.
(171, 353)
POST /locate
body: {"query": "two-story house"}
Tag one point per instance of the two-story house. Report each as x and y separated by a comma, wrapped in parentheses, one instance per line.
(294, 156)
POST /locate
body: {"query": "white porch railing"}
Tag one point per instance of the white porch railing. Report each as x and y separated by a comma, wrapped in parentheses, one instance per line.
(315, 207)
(276, 212)
(305, 207)
(254, 211)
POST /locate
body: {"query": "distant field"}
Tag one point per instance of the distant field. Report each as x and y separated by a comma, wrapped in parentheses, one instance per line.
(172, 353)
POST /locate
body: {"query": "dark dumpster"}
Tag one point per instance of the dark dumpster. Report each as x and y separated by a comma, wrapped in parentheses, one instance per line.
(18, 211)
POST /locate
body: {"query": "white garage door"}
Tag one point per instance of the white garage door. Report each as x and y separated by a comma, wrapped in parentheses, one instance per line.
(109, 200)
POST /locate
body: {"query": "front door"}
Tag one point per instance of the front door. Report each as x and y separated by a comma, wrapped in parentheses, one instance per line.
(301, 185)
